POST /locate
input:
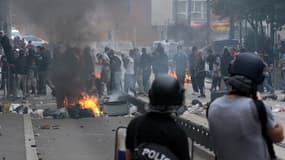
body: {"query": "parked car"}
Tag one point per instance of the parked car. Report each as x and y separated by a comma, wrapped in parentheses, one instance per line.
(15, 33)
(218, 46)
(36, 41)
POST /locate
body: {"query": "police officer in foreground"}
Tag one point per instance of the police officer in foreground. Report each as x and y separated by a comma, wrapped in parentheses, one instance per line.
(241, 126)
(157, 127)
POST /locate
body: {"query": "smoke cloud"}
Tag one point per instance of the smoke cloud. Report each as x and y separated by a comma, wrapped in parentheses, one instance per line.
(71, 20)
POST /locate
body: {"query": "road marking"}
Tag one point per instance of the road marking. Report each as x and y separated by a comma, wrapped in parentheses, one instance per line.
(30, 143)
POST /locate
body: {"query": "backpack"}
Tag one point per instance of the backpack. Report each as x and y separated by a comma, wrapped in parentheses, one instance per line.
(151, 151)
(262, 115)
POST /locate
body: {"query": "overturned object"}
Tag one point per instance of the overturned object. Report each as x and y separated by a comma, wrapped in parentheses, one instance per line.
(116, 108)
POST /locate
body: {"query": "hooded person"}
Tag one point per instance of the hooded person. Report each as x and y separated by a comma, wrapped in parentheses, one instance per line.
(240, 118)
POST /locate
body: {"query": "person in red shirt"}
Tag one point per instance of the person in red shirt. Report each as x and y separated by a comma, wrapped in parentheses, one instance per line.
(30, 45)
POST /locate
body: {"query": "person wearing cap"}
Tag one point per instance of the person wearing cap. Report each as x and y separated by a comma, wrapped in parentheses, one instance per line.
(241, 126)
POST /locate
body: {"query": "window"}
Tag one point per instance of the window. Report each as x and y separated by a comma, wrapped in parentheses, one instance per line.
(198, 6)
(181, 17)
(196, 16)
(181, 7)
(199, 10)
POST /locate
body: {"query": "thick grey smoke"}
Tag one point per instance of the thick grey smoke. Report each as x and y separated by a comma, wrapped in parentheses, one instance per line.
(71, 20)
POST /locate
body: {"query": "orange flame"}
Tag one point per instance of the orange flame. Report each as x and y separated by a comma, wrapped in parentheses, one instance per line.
(187, 79)
(86, 102)
(173, 74)
(98, 75)
(65, 102)
(92, 103)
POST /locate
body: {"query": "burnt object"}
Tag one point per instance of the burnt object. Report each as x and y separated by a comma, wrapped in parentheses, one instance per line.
(272, 96)
(77, 112)
(116, 108)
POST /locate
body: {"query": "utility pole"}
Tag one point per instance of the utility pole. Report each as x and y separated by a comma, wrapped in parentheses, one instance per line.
(208, 21)
(189, 18)
(5, 20)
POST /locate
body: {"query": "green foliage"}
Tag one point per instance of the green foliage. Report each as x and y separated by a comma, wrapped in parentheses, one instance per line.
(254, 11)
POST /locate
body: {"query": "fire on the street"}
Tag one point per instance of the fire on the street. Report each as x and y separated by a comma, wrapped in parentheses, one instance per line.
(92, 103)
(187, 79)
(86, 102)
(98, 75)
(173, 73)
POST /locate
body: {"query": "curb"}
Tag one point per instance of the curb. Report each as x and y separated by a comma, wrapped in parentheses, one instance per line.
(30, 143)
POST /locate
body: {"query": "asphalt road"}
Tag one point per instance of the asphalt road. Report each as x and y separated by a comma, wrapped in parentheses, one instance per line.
(12, 140)
(84, 139)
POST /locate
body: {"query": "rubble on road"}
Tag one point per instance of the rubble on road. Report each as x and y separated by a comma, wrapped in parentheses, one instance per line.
(77, 112)
(45, 126)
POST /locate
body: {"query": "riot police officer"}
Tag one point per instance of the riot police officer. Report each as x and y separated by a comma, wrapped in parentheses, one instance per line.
(158, 126)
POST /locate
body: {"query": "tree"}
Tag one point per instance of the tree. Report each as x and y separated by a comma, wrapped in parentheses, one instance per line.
(228, 8)
(255, 12)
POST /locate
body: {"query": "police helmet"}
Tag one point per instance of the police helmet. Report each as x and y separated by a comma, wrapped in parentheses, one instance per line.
(166, 94)
(248, 65)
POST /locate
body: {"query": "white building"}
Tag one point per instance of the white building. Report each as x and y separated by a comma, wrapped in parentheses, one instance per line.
(161, 12)
(183, 8)
(165, 12)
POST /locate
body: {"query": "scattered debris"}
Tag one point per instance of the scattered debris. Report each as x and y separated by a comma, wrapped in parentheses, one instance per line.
(280, 109)
(55, 127)
(77, 112)
(45, 126)
(56, 114)
(33, 145)
(37, 114)
(133, 109)
(37, 134)
(6, 107)
(272, 96)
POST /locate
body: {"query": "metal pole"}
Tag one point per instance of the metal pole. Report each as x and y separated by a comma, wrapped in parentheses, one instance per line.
(240, 33)
(208, 21)
(189, 12)
(5, 19)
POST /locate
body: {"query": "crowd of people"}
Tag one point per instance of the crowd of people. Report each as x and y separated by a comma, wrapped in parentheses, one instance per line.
(27, 69)
(24, 67)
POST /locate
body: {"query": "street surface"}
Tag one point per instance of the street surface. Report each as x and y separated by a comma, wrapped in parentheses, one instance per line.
(84, 139)
(12, 140)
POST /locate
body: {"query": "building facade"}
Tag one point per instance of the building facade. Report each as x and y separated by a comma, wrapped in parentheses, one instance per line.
(190, 12)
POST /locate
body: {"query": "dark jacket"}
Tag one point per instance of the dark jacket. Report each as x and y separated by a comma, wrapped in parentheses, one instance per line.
(43, 61)
(180, 62)
(145, 63)
(160, 63)
(115, 64)
(21, 65)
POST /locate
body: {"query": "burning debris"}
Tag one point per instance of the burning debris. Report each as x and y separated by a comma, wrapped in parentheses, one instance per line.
(187, 79)
(85, 106)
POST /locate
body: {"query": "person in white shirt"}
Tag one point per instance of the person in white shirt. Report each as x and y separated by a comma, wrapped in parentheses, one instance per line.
(129, 73)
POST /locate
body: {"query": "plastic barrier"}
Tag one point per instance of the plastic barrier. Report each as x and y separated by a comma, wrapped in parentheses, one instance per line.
(120, 148)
